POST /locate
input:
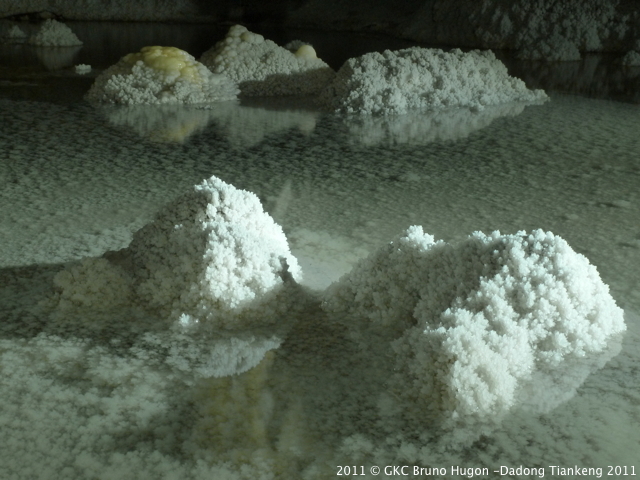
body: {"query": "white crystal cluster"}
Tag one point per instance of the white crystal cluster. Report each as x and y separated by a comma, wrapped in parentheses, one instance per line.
(213, 256)
(395, 82)
(470, 321)
(54, 34)
(262, 68)
(160, 75)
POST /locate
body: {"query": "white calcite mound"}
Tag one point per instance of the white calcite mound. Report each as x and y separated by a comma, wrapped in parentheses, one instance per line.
(262, 68)
(160, 75)
(54, 34)
(470, 322)
(210, 254)
(395, 82)
(212, 257)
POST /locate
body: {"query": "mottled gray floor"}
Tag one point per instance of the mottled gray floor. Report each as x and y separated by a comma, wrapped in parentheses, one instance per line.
(94, 397)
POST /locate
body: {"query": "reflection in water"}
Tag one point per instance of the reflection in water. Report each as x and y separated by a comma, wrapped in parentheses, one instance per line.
(242, 126)
(56, 58)
(159, 123)
(421, 128)
(245, 126)
(596, 75)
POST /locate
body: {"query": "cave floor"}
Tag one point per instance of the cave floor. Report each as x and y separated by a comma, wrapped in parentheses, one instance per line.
(81, 401)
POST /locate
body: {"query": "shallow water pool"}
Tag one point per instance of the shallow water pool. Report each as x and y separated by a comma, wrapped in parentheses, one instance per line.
(112, 395)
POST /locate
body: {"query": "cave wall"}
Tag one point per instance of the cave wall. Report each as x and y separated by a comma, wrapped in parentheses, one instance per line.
(586, 25)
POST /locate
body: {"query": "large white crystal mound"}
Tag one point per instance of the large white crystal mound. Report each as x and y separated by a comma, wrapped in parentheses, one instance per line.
(469, 322)
(54, 34)
(160, 75)
(395, 82)
(262, 68)
(210, 255)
